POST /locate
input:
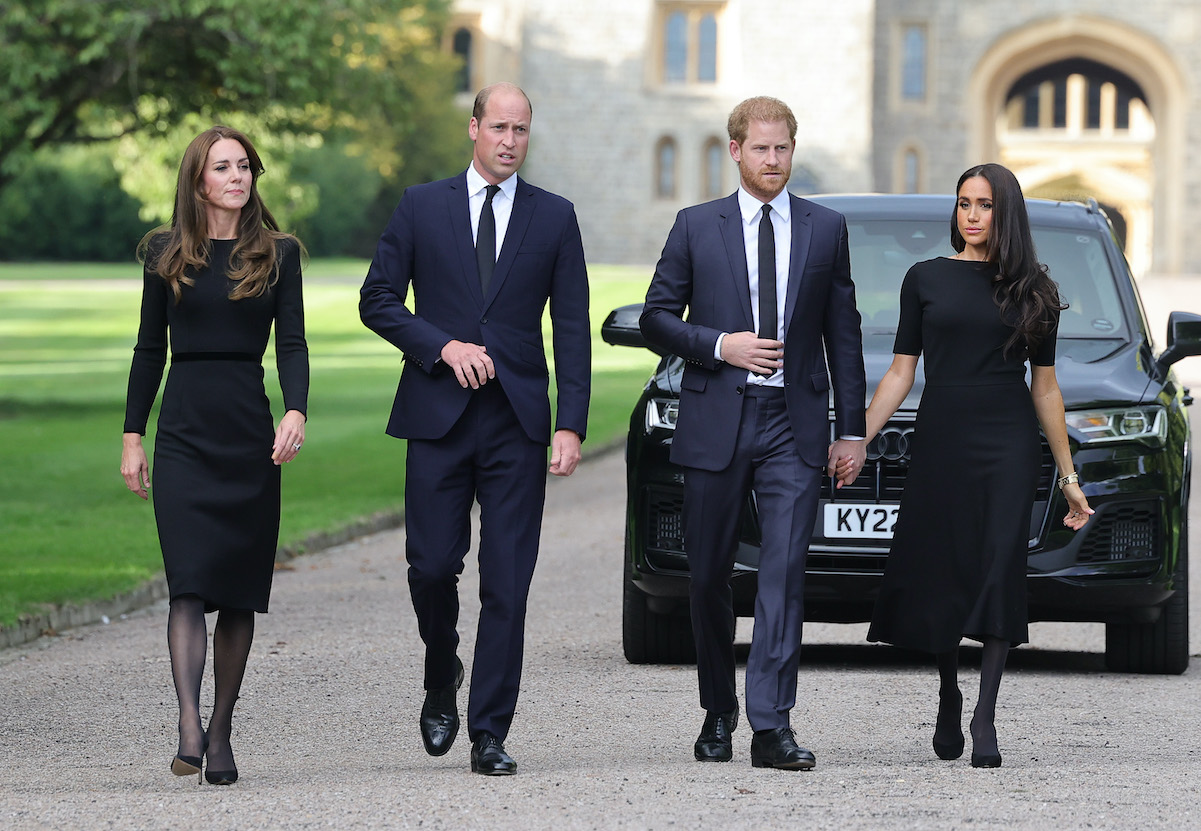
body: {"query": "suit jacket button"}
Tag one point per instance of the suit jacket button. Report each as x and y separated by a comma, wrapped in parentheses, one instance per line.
(483, 321)
(738, 390)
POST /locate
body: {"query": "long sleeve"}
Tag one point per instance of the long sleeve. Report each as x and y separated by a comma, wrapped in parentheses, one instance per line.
(571, 333)
(150, 353)
(291, 348)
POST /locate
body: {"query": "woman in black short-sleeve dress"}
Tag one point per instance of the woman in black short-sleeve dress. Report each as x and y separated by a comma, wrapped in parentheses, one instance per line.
(215, 282)
(957, 566)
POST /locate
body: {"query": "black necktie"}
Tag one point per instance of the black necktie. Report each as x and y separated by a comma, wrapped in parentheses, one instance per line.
(485, 240)
(767, 276)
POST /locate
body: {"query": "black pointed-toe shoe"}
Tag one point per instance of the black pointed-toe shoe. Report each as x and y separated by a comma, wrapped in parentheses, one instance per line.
(714, 744)
(950, 711)
(986, 760)
(188, 765)
(221, 777)
(440, 716)
(489, 758)
(778, 749)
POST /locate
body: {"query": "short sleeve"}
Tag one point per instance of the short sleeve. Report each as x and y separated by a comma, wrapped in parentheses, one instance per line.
(1045, 354)
(909, 325)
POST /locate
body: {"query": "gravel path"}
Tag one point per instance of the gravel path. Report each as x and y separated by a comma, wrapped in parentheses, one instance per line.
(326, 729)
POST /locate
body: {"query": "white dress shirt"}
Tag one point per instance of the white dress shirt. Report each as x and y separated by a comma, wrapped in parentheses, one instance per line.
(502, 203)
(751, 210)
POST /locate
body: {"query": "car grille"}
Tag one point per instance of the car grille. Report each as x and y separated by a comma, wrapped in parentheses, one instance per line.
(1123, 532)
(888, 457)
(665, 519)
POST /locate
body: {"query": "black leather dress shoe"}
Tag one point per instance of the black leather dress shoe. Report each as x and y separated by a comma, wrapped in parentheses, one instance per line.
(714, 743)
(489, 758)
(778, 749)
(440, 716)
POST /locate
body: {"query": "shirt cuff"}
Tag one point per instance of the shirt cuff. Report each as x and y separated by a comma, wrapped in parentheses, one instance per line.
(717, 348)
(851, 438)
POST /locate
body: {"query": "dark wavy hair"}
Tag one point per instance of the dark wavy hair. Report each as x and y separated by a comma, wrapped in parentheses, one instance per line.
(1027, 297)
(174, 250)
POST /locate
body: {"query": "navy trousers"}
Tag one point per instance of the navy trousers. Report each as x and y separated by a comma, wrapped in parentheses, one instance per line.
(786, 491)
(487, 457)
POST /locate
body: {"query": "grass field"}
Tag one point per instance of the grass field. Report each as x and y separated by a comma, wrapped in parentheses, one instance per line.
(70, 531)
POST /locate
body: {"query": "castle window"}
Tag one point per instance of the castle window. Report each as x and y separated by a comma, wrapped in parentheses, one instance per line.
(461, 46)
(665, 168)
(913, 63)
(715, 163)
(688, 35)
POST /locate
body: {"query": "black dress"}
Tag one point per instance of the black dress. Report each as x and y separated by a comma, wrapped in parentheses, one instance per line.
(215, 488)
(957, 567)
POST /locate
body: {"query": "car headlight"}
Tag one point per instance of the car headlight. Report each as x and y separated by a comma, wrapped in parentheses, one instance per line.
(1145, 424)
(662, 412)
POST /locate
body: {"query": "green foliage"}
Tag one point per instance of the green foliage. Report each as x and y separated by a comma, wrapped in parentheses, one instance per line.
(367, 72)
(69, 206)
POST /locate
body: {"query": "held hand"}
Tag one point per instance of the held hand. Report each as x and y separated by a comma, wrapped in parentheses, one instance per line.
(845, 460)
(470, 362)
(134, 467)
(564, 452)
(1078, 510)
(748, 351)
(289, 437)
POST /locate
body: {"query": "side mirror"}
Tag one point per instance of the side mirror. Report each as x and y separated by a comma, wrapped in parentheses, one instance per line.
(1184, 338)
(621, 328)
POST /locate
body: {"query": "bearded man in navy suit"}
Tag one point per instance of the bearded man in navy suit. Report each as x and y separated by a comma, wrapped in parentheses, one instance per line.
(771, 324)
(483, 252)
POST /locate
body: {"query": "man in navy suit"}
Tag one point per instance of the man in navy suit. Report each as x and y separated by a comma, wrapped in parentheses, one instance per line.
(483, 253)
(765, 278)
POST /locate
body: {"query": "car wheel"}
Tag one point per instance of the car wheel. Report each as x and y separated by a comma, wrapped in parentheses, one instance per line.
(1160, 647)
(650, 637)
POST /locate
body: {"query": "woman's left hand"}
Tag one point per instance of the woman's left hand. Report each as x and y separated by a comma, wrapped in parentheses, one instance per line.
(1078, 510)
(289, 437)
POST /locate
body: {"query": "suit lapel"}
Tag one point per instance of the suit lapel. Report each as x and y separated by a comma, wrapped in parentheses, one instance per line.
(735, 241)
(460, 223)
(802, 235)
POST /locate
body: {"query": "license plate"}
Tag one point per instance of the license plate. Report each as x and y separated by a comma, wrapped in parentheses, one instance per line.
(851, 521)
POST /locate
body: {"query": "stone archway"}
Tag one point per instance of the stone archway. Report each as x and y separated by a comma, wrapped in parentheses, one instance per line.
(1129, 51)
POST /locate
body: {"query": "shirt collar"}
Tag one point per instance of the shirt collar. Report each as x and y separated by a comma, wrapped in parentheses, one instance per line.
(751, 208)
(476, 183)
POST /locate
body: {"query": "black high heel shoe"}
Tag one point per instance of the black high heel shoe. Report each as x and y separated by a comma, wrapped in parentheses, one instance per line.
(219, 777)
(954, 748)
(187, 765)
(986, 759)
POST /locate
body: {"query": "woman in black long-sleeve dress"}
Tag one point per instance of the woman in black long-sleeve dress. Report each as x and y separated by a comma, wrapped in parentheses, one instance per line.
(215, 281)
(957, 566)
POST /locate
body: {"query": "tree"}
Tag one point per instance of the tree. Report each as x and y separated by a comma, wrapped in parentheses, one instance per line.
(79, 71)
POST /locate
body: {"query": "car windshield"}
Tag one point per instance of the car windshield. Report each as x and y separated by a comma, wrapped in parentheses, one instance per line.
(882, 250)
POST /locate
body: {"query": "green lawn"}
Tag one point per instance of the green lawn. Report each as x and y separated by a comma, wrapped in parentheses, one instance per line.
(70, 531)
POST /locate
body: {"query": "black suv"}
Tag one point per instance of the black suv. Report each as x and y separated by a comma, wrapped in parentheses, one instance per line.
(1127, 425)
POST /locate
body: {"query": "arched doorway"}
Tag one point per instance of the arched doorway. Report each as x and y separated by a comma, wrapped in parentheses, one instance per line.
(1081, 106)
(1080, 129)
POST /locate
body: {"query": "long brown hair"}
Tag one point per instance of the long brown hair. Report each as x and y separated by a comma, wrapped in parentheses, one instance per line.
(184, 245)
(1026, 296)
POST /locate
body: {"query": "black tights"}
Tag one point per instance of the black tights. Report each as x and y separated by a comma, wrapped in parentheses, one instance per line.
(992, 666)
(187, 640)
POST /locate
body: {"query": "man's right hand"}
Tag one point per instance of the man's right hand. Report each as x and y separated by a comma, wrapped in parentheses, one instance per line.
(752, 353)
(470, 362)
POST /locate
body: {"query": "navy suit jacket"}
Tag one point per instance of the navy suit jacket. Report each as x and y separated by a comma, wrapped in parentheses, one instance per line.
(428, 246)
(703, 268)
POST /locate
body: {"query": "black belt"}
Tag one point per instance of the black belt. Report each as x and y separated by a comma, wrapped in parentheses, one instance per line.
(763, 391)
(183, 357)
